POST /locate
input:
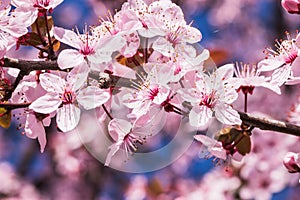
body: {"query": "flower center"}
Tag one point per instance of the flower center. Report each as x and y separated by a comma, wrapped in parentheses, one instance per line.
(246, 89)
(68, 97)
(177, 69)
(289, 59)
(286, 49)
(208, 100)
(87, 49)
(153, 93)
(41, 3)
(130, 143)
(174, 36)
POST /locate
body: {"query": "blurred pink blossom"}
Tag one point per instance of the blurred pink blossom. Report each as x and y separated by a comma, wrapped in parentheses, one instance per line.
(292, 162)
(292, 6)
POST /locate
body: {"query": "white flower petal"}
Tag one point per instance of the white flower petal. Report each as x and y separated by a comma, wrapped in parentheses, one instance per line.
(163, 46)
(199, 116)
(46, 104)
(225, 72)
(67, 117)
(230, 94)
(207, 141)
(35, 129)
(69, 58)
(281, 75)
(92, 97)
(201, 57)
(227, 115)
(112, 151)
(269, 65)
(67, 37)
(78, 76)
(119, 128)
(192, 35)
(52, 83)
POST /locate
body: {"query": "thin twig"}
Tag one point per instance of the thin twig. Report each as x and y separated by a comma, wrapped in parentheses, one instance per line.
(107, 112)
(51, 53)
(16, 83)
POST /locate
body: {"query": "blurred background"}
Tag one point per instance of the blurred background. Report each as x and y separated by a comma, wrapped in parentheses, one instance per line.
(233, 31)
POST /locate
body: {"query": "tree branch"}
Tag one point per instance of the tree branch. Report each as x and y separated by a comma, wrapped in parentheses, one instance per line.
(29, 65)
(108, 80)
(270, 124)
(11, 106)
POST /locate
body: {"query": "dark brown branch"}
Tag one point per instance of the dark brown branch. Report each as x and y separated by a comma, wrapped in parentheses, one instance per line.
(270, 124)
(16, 83)
(11, 106)
(25, 67)
(30, 65)
(109, 80)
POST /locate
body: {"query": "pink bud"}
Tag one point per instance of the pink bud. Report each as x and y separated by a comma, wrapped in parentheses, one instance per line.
(292, 6)
(291, 162)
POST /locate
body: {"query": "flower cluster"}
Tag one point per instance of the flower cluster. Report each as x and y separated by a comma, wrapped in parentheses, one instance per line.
(141, 71)
(144, 60)
(149, 50)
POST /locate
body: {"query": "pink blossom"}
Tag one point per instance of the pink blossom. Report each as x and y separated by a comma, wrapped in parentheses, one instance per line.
(33, 8)
(12, 26)
(248, 77)
(281, 60)
(152, 90)
(34, 127)
(217, 184)
(218, 150)
(214, 147)
(89, 47)
(211, 95)
(292, 162)
(188, 61)
(265, 174)
(126, 136)
(292, 6)
(177, 32)
(62, 96)
(123, 24)
(147, 24)
(261, 184)
(29, 90)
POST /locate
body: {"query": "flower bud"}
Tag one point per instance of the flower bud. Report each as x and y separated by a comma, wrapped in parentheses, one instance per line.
(291, 162)
(292, 6)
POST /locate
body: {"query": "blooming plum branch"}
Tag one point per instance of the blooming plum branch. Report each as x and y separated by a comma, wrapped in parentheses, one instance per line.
(109, 80)
(134, 69)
